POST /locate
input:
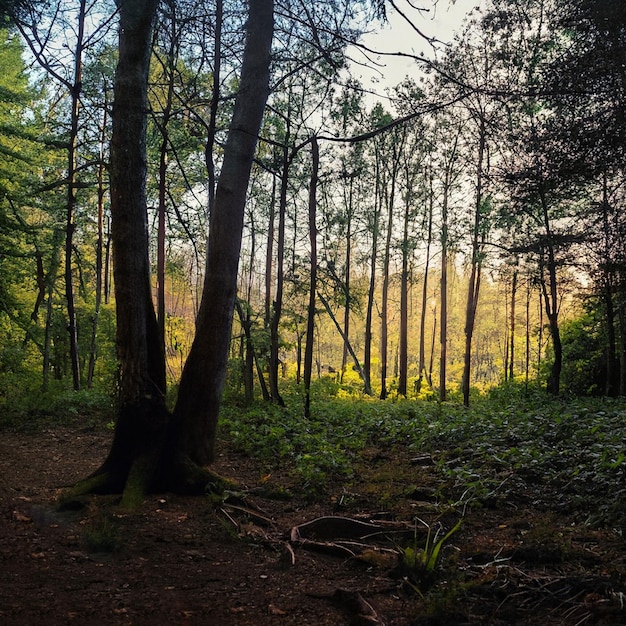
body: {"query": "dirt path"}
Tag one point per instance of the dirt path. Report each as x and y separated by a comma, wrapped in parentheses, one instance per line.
(201, 561)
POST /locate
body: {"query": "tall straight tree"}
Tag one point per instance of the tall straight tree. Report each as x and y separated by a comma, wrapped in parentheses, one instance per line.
(310, 335)
(142, 416)
(449, 175)
(197, 409)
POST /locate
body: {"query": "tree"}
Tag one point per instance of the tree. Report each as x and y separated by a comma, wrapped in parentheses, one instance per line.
(29, 241)
(150, 446)
(308, 351)
(197, 409)
(449, 179)
(471, 59)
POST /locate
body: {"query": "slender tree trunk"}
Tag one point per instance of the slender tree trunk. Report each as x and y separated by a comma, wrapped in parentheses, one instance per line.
(367, 389)
(248, 358)
(384, 313)
(527, 365)
(346, 313)
(443, 330)
(478, 242)
(51, 277)
(72, 325)
(99, 252)
(551, 301)
(384, 326)
(277, 305)
(202, 382)
(161, 227)
(470, 320)
(215, 98)
(621, 316)
(443, 326)
(107, 262)
(432, 350)
(404, 304)
(512, 322)
(310, 330)
(367, 359)
(611, 385)
(422, 341)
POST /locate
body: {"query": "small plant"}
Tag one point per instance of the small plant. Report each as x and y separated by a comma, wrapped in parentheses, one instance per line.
(420, 563)
(103, 535)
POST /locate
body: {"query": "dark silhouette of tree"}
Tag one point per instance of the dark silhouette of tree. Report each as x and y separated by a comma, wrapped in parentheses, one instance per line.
(151, 447)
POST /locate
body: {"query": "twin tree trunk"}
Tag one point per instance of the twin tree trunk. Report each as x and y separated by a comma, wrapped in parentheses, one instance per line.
(153, 448)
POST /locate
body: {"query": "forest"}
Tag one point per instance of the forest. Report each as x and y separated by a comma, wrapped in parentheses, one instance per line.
(258, 296)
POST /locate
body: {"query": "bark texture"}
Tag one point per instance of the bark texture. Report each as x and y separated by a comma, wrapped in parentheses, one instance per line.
(203, 377)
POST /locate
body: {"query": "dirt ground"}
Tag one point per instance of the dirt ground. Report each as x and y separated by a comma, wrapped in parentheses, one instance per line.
(237, 561)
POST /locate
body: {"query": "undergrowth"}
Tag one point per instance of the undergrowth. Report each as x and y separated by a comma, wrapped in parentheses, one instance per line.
(562, 454)
(566, 454)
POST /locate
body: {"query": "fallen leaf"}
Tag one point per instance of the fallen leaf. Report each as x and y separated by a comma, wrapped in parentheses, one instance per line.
(20, 517)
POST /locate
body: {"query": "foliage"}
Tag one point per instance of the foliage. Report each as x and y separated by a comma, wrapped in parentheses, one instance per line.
(28, 408)
(419, 562)
(584, 355)
(513, 440)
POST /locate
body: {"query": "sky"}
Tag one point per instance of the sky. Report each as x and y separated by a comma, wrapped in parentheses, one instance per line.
(441, 21)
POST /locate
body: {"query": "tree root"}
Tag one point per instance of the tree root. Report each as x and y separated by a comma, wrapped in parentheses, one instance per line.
(182, 477)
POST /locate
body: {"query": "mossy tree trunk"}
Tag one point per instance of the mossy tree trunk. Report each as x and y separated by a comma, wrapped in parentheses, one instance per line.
(153, 449)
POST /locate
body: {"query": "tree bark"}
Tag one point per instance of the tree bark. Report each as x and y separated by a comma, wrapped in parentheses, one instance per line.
(277, 305)
(384, 326)
(473, 290)
(99, 252)
(429, 239)
(200, 391)
(367, 357)
(310, 334)
(551, 298)
(70, 227)
(404, 306)
(347, 277)
(512, 322)
(132, 463)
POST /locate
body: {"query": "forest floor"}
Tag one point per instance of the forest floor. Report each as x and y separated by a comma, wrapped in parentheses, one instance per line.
(268, 553)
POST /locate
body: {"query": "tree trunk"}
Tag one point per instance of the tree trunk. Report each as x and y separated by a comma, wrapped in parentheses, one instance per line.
(367, 389)
(621, 317)
(70, 227)
(367, 358)
(551, 300)
(608, 279)
(132, 462)
(384, 325)
(512, 323)
(310, 334)
(202, 382)
(277, 306)
(527, 356)
(346, 282)
(443, 326)
(404, 305)
(422, 347)
(151, 448)
(473, 291)
(248, 357)
(99, 252)
(215, 98)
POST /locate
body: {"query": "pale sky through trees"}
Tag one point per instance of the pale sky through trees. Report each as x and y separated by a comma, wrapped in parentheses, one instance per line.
(441, 21)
